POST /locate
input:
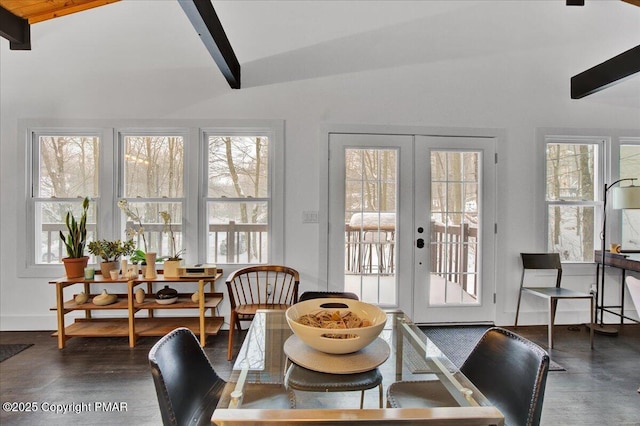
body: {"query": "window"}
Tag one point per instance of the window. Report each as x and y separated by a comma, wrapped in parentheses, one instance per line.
(630, 168)
(65, 169)
(153, 182)
(573, 176)
(238, 199)
(222, 188)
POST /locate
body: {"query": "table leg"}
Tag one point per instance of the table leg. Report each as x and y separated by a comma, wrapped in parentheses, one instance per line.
(592, 323)
(87, 291)
(60, 312)
(624, 276)
(203, 332)
(132, 313)
(552, 309)
(399, 337)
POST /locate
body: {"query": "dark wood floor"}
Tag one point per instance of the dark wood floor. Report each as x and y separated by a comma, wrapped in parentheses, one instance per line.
(599, 387)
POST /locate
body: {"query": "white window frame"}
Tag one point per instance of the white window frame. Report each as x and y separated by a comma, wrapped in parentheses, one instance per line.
(609, 170)
(275, 195)
(108, 215)
(616, 234)
(186, 194)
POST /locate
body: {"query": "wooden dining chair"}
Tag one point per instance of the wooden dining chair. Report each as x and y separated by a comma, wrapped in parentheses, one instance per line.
(189, 389)
(550, 261)
(509, 370)
(259, 287)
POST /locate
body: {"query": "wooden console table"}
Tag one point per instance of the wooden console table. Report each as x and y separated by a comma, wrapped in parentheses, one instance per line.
(131, 325)
(624, 263)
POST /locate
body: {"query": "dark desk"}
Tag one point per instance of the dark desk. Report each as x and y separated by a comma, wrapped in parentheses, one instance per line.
(624, 263)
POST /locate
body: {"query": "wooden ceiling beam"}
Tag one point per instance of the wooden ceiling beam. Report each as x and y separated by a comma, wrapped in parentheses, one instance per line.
(42, 10)
(68, 9)
(15, 29)
(606, 74)
(204, 19)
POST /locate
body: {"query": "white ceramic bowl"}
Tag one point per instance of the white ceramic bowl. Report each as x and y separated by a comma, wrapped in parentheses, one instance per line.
(358, 337)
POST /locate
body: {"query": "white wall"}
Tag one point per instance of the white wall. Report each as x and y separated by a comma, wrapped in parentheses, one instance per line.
(503, 65)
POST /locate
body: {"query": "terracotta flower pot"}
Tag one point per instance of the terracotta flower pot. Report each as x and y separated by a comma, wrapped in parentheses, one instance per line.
(105, 267)
(74, 267)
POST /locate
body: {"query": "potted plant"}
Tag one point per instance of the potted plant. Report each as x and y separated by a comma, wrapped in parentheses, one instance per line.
(75, 241)
(138, 257)
(135, 230)
(110, 252)
(171, 262)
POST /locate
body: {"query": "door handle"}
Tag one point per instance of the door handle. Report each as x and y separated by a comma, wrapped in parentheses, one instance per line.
(420, 243)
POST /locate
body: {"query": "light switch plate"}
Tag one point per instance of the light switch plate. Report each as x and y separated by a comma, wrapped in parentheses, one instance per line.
(310, 216)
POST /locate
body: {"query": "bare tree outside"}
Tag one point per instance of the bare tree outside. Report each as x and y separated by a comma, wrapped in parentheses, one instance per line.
(571, 197)
(68, 170)
(238, 197)
(154, 171)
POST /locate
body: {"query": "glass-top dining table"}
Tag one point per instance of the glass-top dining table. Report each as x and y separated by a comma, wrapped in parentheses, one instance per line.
(412, 356)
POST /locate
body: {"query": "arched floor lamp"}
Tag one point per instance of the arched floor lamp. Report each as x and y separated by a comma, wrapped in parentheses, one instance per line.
(624, 197)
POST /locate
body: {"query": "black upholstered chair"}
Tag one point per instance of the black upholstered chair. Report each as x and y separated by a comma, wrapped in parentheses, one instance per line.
(188, 388)
(308, 295)
(509, 370)
(303, 379)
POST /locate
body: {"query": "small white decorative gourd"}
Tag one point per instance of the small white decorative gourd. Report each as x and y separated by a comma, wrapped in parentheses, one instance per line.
(140, 295)
(81, 298)
(105, 299)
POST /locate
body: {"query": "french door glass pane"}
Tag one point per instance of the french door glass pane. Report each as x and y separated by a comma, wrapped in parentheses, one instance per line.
(454, 227)
(371, 192)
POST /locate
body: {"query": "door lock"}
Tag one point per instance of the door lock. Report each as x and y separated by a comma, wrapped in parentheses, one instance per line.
(420, 243)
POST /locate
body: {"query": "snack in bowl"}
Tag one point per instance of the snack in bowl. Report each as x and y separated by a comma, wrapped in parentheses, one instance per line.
(336, 326)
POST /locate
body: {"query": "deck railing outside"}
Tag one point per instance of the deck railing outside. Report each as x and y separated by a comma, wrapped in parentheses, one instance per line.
(227, 243)
(453, 251)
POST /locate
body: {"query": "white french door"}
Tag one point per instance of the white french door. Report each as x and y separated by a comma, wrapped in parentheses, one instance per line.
(411, 222)
(454, 278)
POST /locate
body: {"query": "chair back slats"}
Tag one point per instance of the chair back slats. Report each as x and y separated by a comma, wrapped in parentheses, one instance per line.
(541, 261)
(259, 287)
(263, 285)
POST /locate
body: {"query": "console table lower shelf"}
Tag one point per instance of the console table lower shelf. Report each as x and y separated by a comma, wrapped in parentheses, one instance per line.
(119, 327)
